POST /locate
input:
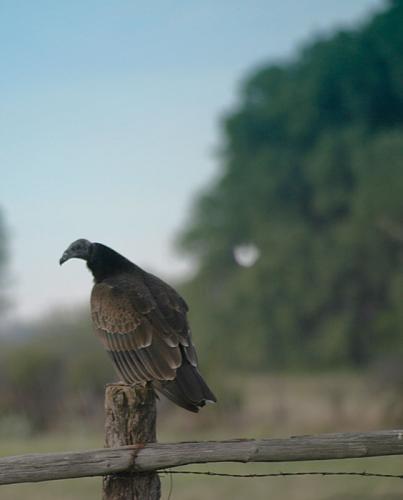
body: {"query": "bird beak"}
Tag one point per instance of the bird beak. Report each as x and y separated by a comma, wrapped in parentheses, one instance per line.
(64, 257)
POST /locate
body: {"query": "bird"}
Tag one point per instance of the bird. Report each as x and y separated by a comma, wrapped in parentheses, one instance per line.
(142, 323)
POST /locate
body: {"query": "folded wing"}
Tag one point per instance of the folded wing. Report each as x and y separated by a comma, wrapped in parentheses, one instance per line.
(128, 324)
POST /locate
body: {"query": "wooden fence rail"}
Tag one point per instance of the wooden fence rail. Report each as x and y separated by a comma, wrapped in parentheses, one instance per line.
(154, 456)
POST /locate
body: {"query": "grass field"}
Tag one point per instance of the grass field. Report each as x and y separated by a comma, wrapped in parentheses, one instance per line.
(266, 407)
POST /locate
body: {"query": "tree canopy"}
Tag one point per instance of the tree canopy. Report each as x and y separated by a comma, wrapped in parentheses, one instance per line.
(311, 175)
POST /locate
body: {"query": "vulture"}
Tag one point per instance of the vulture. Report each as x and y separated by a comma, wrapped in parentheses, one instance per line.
(142, 323)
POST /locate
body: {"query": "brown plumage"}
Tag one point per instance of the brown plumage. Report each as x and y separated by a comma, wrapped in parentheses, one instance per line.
(142, 323)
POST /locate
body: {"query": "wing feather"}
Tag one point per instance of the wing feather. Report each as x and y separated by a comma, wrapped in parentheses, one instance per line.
(173, 309)
(152, 367)
(142, 343)
(121, 367)
(190, 353)
(135, 368)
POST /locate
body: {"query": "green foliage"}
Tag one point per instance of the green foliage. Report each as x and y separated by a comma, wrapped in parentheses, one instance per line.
(311, 175)
(58, 373)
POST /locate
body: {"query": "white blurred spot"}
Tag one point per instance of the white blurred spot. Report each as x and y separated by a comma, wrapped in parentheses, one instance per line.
(246, 255)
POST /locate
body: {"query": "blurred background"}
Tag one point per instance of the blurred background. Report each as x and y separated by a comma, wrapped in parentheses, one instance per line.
(250, 153)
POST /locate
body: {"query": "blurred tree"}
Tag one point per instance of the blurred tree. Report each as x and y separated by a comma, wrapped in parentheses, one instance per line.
(311, 175)
(33, 381)
(56, 372)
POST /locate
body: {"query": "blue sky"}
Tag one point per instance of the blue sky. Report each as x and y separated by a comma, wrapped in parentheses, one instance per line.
(110, 122)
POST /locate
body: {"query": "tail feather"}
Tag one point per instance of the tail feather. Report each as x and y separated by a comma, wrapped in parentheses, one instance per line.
(188, 389)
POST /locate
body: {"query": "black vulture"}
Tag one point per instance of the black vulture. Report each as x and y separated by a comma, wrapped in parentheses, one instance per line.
(142, 323)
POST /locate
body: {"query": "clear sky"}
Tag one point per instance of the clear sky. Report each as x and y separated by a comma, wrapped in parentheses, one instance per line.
(110, 121)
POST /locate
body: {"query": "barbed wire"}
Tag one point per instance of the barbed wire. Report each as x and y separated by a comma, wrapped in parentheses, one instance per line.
(274, 474)
(284, 474)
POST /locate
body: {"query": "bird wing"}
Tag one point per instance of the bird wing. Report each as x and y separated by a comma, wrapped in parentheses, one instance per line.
(138, 329)
(174, 310)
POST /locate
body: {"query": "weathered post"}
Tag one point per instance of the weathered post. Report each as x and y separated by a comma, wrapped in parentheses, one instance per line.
(130, 418)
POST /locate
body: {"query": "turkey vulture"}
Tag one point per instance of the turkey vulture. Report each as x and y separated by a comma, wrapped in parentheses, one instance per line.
(141, 321)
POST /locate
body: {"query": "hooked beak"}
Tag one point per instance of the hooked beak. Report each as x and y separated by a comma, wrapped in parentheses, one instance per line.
(64, 257)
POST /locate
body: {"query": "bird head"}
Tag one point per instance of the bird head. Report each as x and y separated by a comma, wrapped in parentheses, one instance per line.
(79, 249)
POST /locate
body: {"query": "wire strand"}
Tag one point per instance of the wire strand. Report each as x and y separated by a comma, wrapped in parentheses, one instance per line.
(284, 474)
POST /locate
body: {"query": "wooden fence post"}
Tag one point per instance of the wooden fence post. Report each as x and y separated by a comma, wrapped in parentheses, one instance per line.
(130, 417)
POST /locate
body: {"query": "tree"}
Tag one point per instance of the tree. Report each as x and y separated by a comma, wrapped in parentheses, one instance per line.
(311, 175)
